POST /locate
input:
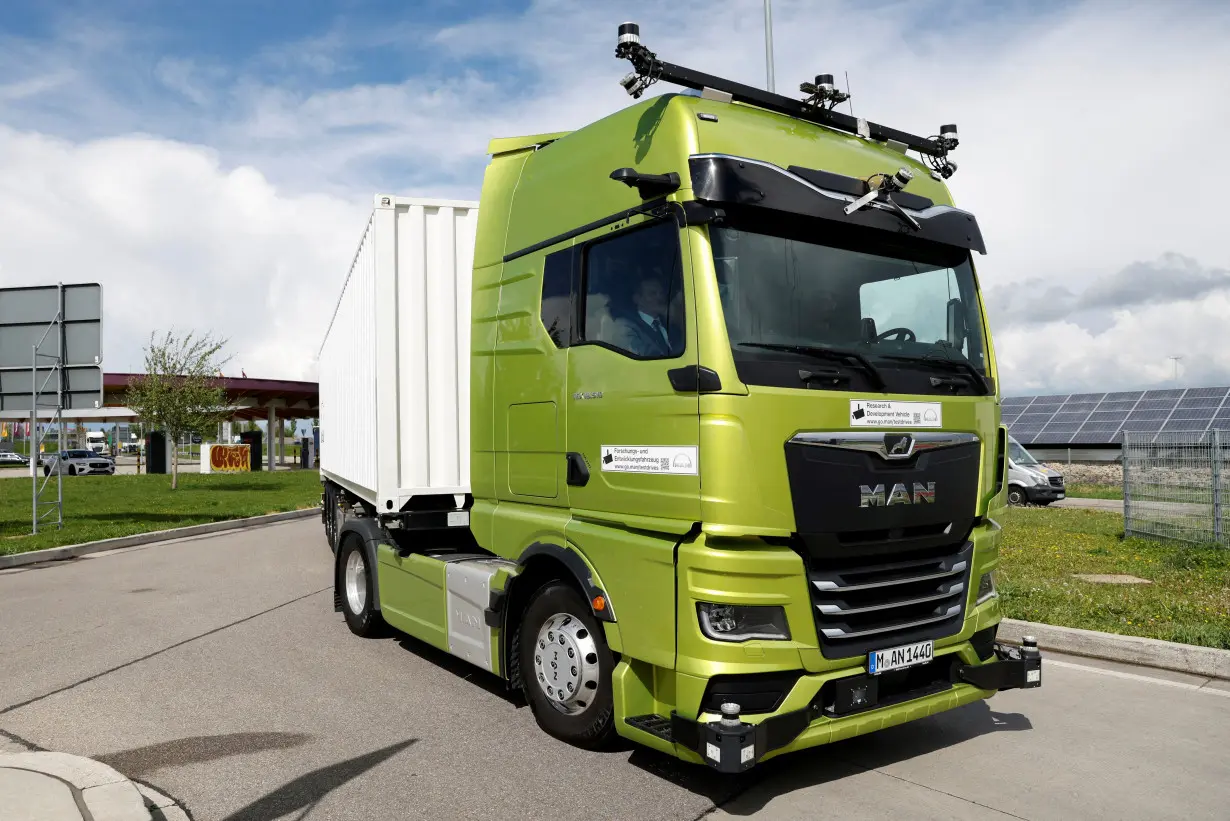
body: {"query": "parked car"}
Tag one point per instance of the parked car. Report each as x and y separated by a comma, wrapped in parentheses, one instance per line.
(9, 457)
(82, 462)
(1029, 481)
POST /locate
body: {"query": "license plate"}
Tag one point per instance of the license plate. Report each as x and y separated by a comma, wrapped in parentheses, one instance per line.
(896, 658)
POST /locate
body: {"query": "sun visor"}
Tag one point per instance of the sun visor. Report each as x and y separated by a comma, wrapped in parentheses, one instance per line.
(754, 184)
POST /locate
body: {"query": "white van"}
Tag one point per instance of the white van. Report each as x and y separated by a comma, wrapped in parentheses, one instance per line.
(1029, 482)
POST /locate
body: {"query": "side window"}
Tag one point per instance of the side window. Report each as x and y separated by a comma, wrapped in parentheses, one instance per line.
(557, 297)
(634, 293)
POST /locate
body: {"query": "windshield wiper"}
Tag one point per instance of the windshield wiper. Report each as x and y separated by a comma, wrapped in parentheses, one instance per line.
(834, 354)
(950, 364)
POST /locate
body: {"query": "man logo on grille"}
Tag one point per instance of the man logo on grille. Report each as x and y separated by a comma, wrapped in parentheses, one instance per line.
(899, 495)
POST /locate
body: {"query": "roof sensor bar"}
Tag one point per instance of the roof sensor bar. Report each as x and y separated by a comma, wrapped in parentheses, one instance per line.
(817, 108)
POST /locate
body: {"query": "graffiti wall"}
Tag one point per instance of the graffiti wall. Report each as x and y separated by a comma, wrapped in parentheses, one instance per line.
(225, 458)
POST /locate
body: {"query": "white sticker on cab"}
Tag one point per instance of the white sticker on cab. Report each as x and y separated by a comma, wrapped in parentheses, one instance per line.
(869, 413)
(680, 460)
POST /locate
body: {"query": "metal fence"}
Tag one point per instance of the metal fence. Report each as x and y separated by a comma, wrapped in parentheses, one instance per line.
(1174, 485)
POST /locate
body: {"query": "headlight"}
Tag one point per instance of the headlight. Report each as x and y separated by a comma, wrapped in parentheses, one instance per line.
(986, 588)
(1040, 479)
(735, 622)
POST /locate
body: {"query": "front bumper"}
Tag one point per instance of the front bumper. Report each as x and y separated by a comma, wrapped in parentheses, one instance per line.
(1044, 493)
(732, 747)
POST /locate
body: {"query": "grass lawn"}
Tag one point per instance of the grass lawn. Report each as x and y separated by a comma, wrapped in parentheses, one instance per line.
(1188, 601)
(1089, 491)
(103, 507)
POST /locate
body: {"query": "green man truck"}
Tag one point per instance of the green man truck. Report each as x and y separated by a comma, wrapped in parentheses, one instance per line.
(688, 429)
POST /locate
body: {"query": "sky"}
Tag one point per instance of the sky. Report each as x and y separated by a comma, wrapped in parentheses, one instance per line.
(212, 164)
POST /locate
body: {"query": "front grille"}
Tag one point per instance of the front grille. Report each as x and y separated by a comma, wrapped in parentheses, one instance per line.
(1056, 481)
(863, 603)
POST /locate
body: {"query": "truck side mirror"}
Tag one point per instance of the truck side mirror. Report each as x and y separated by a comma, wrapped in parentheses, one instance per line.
(956, 323)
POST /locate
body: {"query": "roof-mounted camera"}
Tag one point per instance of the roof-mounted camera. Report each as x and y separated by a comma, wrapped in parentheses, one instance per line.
(881, 187)
(822, 93)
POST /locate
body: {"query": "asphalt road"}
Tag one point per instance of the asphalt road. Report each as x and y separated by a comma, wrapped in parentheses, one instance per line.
(216, 670)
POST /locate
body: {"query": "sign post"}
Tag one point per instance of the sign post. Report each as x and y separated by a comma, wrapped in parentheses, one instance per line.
(57, 330)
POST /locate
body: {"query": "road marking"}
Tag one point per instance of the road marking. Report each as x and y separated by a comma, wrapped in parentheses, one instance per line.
(1182, 685)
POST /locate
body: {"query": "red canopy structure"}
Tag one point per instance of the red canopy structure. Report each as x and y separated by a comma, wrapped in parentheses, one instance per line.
(252, 398)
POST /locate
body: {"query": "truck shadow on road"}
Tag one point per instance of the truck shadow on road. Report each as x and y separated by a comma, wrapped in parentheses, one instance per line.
(306, 791)
(140, 761)
(748, 793)
(302, 793)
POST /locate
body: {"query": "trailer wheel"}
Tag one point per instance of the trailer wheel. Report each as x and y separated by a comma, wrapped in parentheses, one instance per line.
(566, 667)
(1016, 496)
(355, 583)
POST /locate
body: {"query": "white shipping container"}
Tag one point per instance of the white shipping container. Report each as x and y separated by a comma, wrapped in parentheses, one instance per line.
(394, 367)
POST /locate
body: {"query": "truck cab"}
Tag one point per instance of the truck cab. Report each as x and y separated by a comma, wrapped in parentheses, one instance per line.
(735, 451)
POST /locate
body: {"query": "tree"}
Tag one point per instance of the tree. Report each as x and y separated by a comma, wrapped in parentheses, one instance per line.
(180, 393)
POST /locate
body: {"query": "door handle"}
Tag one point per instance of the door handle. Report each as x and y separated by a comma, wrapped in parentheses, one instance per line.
(578, 471)
(695, 379)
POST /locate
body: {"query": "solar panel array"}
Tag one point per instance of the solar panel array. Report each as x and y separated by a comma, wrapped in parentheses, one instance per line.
(1099, 418)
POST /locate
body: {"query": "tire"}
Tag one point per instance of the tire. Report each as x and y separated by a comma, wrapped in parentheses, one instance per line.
(358, 592)
(72, 470)
(1016, 495)
(46, 470)
(559, 620)
(328, 515)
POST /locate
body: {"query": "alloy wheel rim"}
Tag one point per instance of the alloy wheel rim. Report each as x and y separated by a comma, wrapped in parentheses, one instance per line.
(356, 582)
(566, 663)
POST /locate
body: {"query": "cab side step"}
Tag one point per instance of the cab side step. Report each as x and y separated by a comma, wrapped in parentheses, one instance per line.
(652, 724)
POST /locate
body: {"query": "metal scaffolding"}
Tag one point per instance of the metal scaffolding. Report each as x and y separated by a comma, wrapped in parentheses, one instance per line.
(42, 505)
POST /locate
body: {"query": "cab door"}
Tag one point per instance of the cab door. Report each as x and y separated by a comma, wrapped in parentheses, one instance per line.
(633, 420)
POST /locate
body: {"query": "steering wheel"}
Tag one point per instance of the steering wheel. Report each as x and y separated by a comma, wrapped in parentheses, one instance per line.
(897, 335)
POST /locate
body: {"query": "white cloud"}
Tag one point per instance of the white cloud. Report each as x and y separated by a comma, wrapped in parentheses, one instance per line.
(1082, 150)
(1061, 357)
(177, 240)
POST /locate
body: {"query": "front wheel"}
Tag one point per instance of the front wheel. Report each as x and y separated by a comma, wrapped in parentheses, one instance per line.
(358, 590)
(1016, 495)
(566, 668)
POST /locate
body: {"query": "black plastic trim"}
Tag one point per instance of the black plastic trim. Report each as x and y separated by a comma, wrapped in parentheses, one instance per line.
(579, 570)
(647, 185)
(648, 208)
(770, 734)
(493, 616)
(578, 469)
(373, 534)
(697, 213)
(1010, 671)
(983, 642)
(738, 688)
(736, 182)
(1001, 457)
(695, 379)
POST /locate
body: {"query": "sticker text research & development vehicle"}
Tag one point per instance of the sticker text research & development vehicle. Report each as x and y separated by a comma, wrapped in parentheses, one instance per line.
(865, 413)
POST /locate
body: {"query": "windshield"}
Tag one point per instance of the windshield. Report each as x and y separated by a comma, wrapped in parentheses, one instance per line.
(781, 286)
(1018, 454)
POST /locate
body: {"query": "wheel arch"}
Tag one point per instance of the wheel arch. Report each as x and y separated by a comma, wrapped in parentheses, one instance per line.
(540, 564)
(371, 534)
